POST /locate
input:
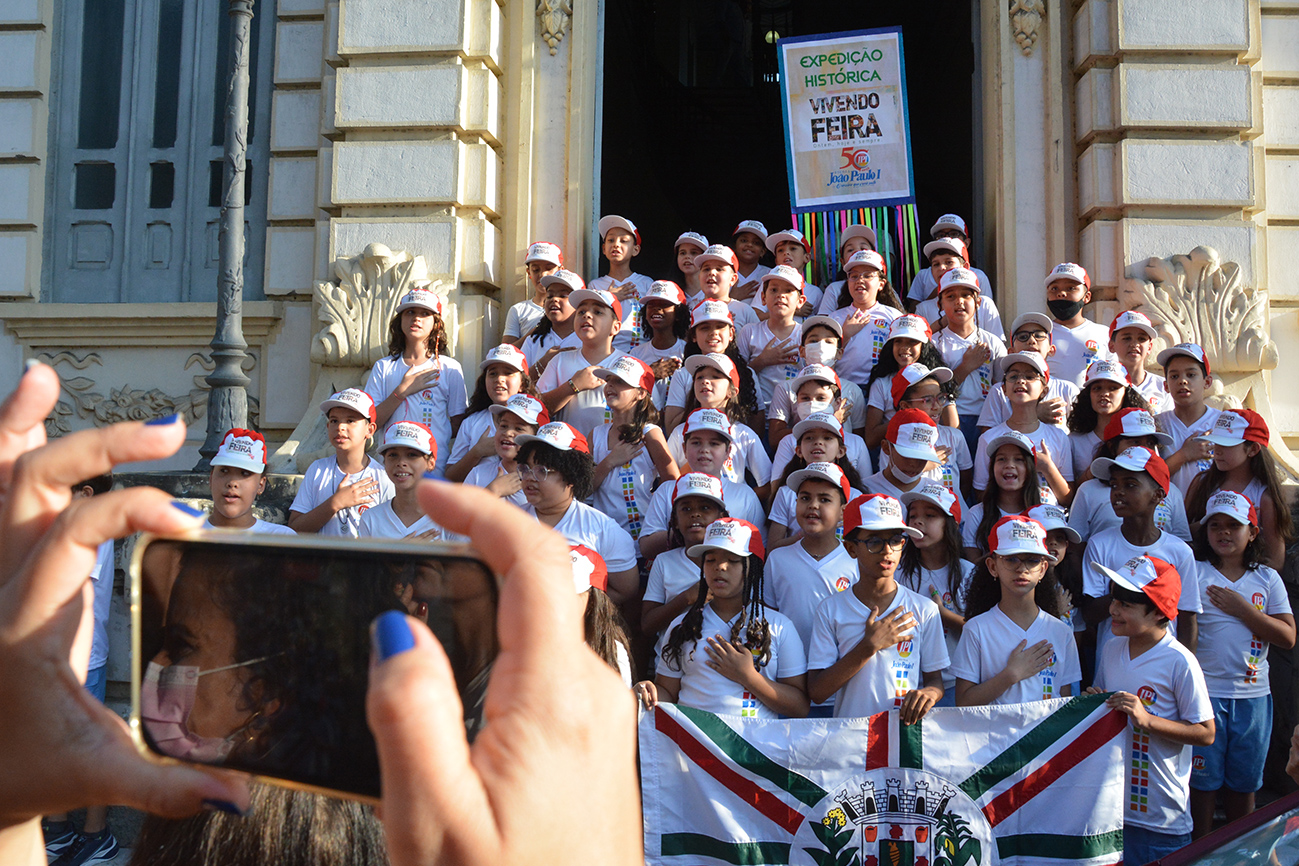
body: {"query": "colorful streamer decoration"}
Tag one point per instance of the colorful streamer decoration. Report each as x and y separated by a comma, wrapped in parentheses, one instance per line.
(896, 228)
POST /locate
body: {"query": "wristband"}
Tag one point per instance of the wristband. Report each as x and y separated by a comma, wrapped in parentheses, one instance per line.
(571, 384)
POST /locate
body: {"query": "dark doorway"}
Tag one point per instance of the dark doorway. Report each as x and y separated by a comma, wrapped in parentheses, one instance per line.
(692, 121)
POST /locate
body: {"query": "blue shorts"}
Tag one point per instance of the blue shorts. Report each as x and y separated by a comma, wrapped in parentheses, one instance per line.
(1141, 846)
(97, 682)
(1235, 760)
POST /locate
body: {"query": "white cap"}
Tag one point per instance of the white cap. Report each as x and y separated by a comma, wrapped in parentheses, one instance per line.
(351, 398)
(1053, 517)
(708, 419)
(794, 235)
(753, 226)
(529, 410)
(716, 360)
(913, 374)
(865, 259)
(963, 277)
(873, 511)
(827, 472)
(600, 296)
(814, 373)
(557, 434)
(505, 354)
(711, 311)
(1132, 423)
(948, 221)
(544, 251)
(1018, 534)
(1189, 350)
(914, 434)
(858, 231)
(911, 327)
(827, 321)
(1134, 459)
(563, 277)
(242, 449)
(1040, 319)
(1032, 359)
(936, 493)
(946, 245)
(1010, 437)
(694, 238)
(589, 568)
(665, 291)
(409, 434)
(732, 535)
(1110, 371)
(1069, 271)
(422, 298)
(630, 371)
(821, 421)
(1132, 319)
(616, 222)
(698, 484)
(786, 273)
(1239, 508)
(718, 253)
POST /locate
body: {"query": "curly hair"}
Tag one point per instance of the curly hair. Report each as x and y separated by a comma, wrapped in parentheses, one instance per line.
(750, 628)
(1083, 418)
(577, 469)
(1262, 467)
(436, 343)
(985, 592)
(482, 400)
(887, 365)
(680, 322)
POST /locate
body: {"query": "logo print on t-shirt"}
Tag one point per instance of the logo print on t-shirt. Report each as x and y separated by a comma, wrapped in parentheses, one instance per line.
(841, 584)
(1147, 695)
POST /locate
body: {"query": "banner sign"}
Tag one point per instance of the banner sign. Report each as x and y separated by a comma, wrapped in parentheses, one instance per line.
(847, 139)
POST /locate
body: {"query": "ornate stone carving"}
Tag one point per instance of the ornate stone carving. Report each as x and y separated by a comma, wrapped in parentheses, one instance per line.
(1025, 19)
(554, 16)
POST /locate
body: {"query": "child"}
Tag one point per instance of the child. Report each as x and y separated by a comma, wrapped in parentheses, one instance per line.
(822, 342)
(1067, 571)
(750, 239)
(689, 246)
(1132, 338)
(674, 578)
(917, 387)
(1246, 608)
(770, 347)
(966, 349)
(716, 386)
(945, 254)
(1023, 378)
(619, 244)
(820, 439)
(908, 343)
(629, 450)
(1078, 340)
(878, 646)
(931, 565)
(499, 474)
(666, 319)
(1015, 488)
(541, 260)
(751, 662)
(852, 240)
(910, 443)
(712, 331)
(718, 273)
(1241, 464)
(238, 477)
(867, 309)
(408, 452)
(554, 332)
(418, 381)
(817, 391)
(601, 623)
(792, 250)
(1014, 648)
(949, 226)
(336, 491)
(1104, 394)
(1188, 382)
(501, 375)
(1158, 684)
(1031, 332)
(569, 387)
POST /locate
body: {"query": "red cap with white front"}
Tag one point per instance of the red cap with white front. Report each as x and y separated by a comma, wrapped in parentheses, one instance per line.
(715, 360)
(827, 472)
(1018, 534)
(692, 238)
(1234, 426)
(1158, 580)
(1053, 517)
(410, 434)
(242, 449)
(1131, 423)
(958, 278)
(617, 222)
(505, 354)
(422, 299)
(937, 494)
(913, 434)
(351, 398)
(1234, 505)
(914, 374)
(720, 253)
(814, 373)
(711, 311)
(663, 292)
(912, 328)
(732, 535)
(629, 370)
(529, 410)
(1132, 319)
(564, 278)
(1188, 350)
(1135, 459)
(698, 484)
(873, 511)
(600, 296)
(1109, 371)
(818, 421)
(786, 273)
(945, 245)
(708, 419)
(865, 259)
(787, 235)
(589, 569)
(753, 227)
(544, 251)
(557, 434)
(948, 221)
(1071, 272)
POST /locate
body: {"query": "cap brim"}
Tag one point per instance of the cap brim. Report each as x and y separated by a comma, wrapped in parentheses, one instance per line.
(1100, 467)
(1224, 441)
(908, 531)
(385, 446)
(1074, 536)
(798, 477)
(710, 497)
(484, 364)
(525, 438)
(698, 550)
(1001, 551)
(916, 454)
(803, 426)
(226, 460)
(339, 404)
(1113, 575)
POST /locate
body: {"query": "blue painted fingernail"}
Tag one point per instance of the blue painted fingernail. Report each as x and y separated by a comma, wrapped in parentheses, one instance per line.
(392, 635)
(160, 422)
(226, 806)
(187, 509)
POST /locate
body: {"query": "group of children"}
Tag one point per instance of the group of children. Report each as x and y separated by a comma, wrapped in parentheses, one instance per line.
(821, 501)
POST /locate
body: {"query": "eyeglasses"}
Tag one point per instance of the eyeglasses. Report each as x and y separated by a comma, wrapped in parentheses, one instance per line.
(875, 544)
(931, 400)
(1016, 378)
(1030, 336)
(541, 473)
(1023, 563)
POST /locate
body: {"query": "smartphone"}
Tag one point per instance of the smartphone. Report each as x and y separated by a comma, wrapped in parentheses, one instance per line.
(252, 652)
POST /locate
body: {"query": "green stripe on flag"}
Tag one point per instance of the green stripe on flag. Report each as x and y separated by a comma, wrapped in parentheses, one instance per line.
(1029, 746)
(739, 853)
(1060, 847)
(911, 746)
(743, 753)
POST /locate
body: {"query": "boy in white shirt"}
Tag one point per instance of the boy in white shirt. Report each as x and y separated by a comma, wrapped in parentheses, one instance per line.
(238, 477)
(792, 250)
(542, 260)
(1022, 378)
(619, 244)
(750, 240)
(408, 451)
(1078, 340)
(1132, 339)
(521, 415)
(966, 349)
(822, 338)
(718, 273)
(569, 387)
(945, 254)
(771, 347)
(949, 226)
(1031, 332)
(336, 491)
(1158, 684)
(878, 646)
(1188, 382)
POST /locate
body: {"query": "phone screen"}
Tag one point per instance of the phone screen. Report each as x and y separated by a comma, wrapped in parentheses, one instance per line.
(253, 654)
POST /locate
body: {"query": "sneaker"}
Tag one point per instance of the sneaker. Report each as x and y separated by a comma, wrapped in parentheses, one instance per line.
(88, 850)
(59, 835)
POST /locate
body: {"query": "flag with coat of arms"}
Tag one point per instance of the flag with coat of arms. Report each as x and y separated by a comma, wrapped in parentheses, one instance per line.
(1040, 784)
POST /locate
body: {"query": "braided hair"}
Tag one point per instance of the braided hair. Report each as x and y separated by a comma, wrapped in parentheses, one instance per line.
(750, 630)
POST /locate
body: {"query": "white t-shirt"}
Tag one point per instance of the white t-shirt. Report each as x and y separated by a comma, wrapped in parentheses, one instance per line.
(671, 574)
(625, 492)
(1083, 446)
(740, 501)
(988, 640)
(584, 525)
(260, 527)
(784, 510)
(1152, 388)
(970, 526)
(1172, 425)
(923, 284)
(986, 316)
(829, 299)
(974, 390)
(382, 522)
(434, 407)
(1092, 512)
(889, 674)
(649, 354)
(859, 354)
(936, 586)
(754, 276)
(1233, 658)
(322, 480)
(997, 408)
(706, 689)
(782, 405)
(533, 349)
(948, 472)
(629, 336)
(1055, 440)
(471, 430)
(747, 453)
(1075, 350)
(742, 313)
(101, 576)
(522, 318)
(1168, 680)
(587, 410)
(752, 340)
(485, 473)
(858, 454)
(795, 582)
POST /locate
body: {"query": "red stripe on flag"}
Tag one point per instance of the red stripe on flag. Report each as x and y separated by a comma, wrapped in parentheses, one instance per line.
(877, 742)
(765, 802)
(1101, 732)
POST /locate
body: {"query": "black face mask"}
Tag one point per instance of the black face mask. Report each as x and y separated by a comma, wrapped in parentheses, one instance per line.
(1063, 311)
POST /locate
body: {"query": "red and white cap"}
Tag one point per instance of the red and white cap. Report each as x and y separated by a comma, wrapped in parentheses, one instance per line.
(698, 484)
(827, 472)
(556, 434)
(732, 535)
(857, 231)
(544, 251)
(1234, 426)
(1234, 505)
(711, 311)
(945, 245)
(911, 327)
(1132, 319)
(873, 511)
(914, 374)
(1042, 320)
(1010, 437)
(913, 434)
(753, 227)
(948, 221)
(717, 361)
(410, 434)
(421, 298)
(692, 238)
(629, 370)
(616, 222)
(865, 259)
(1018, 534)
(1053, 517)
(720, 253)
(600, 296)
(1190, 350)
(589, 569)
(1032, 359)
(708, 419)
(786, 273)
(1071, 272)
(242, 449)
(1107, 370)
(351, 398)
(1135, 459)
(815, 373)
(563, 277)
(787, 235)
(505, 354)
(1158, 580)
(527, 409)
(818, 421)
(825, 321)
(958, 278)
(1132, 422)
(937, 494)
(663, 292)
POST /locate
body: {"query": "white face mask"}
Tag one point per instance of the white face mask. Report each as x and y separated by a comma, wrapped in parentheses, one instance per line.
(802, 410)
(821, 352)
(901, 476)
